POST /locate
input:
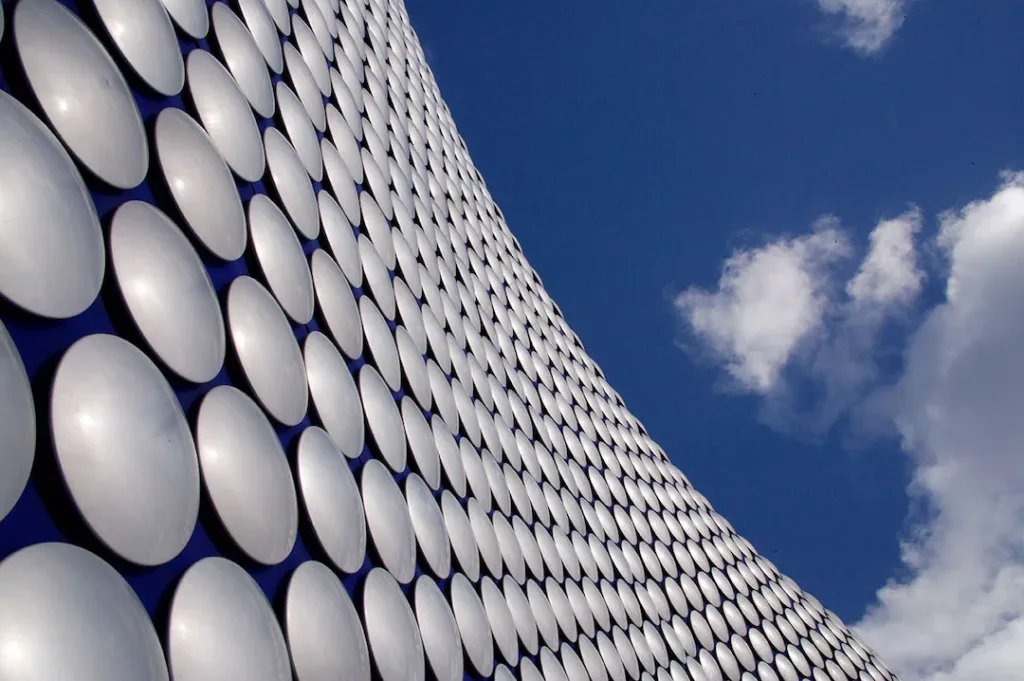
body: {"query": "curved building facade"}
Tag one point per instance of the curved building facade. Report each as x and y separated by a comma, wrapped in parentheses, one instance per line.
(280, 395)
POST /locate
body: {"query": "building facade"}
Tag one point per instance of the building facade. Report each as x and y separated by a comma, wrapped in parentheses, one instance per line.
(281, 396)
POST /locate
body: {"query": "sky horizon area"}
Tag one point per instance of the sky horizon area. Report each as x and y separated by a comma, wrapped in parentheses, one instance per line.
(792, 235)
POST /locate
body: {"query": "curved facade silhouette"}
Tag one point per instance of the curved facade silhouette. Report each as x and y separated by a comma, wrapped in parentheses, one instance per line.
(281, 396)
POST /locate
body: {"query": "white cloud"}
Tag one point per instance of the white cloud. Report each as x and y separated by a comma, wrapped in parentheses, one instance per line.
(889, 274)
(842, 367)
(780, 315)
(959, 406)
(769, 299)
(866, 26)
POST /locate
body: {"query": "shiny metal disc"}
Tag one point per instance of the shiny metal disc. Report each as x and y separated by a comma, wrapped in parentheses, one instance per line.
(82, 92)
(200, 183)
(325, 635)
(551, 667)
(341, 238)
(267, 350)
(225, 114)
(522, 615)
(51, 246)
(496, 479)
(190, 16)
(222, 627)
(125, 449)
(334, 394)
(383, 418)
(247, 475)
(410, 314)
(341, 181)
(444, 405)
(486, 539)
(391, 629)
(305, 86)
(596, 602)
(378, 229)
(281, 258)
(442, 643)
(451, 457)
(244, 60)
(387, 518)
(511, 551)
(406, 247)
(787, 671)
(528, 671)
(414, 368)
(614, 603)
(347, 54)
(421, 443)
(520, 504)
(503, 626)
(346, 136)
(377, 182)
(641, 648)
(656, 644)
(630, 602)
(427, 521)
(17, 422)
(381, 347)
(337, 304)
(566, 552)
(378, 279)
(315, 15)
(626, 652)
(332, 500)
(562, 608)
(574, 668)
(264, 32)
(548, 550)
(473, 625)
(292, 183)
(476, 476)
(460, 534)
(143, 33)
(610, 656)
(311, 53)
(300, 131)
(279, 10)
(167, 291)
(591, 658)
(66, 614)
(437, 344)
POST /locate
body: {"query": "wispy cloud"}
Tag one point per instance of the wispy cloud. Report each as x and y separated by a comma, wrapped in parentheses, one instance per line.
(958, 406)
(780, 319)
(959, 613)
(889, 274)
(866, 26)
(769, 300)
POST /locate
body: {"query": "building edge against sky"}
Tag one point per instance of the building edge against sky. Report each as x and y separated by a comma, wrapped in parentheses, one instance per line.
(280, 393)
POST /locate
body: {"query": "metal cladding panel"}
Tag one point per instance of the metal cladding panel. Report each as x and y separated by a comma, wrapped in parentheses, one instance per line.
(281, 396)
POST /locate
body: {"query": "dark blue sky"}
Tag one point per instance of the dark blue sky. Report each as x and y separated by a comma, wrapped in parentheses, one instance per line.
(632, 146)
